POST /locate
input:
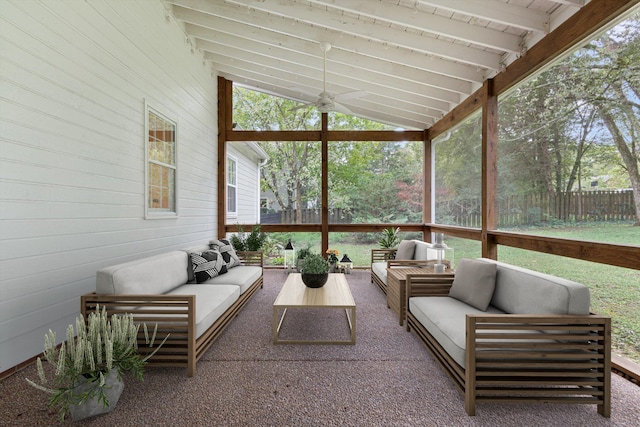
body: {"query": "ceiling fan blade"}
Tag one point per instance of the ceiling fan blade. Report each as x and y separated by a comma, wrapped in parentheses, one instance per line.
(351, 95)
(341, 109)
(325, 101)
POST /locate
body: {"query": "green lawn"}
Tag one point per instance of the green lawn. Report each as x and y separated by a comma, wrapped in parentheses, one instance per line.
(615, 291)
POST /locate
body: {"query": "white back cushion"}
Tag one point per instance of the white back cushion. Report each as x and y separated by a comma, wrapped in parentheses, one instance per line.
(151, 275)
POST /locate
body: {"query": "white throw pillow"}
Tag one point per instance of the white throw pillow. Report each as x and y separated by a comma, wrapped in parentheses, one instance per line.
(405, 251)
(474, 283)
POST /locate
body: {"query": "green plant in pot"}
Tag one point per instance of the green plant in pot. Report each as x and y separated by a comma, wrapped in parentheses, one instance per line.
(252, 241)
(88, 369)
(315, 271)
(301, 255)
(389, 240)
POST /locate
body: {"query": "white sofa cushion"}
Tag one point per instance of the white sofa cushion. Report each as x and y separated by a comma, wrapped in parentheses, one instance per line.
(523, 291)
(405, 250)
(242, 276)
(474, 283)
(157, 274)
(445, 319)
(211, 302)
(424, 251)
(380, 270)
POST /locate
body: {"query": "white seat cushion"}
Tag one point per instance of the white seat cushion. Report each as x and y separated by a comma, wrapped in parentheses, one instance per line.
(243, 276)
(211, 302)
(445, 319)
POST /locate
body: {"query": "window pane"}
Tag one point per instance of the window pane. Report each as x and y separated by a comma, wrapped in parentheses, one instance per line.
(254, 110)
(290, 181)
(231, 171)
(375, 182)
(274, 251)
(566, 139)
(458, 182)
(161, 159)
(463, 248)
(358, 246)
(161, 140)
(231, 198)
(161, 187)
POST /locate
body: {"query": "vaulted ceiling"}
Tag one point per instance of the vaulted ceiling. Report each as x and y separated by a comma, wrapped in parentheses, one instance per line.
(416, 59)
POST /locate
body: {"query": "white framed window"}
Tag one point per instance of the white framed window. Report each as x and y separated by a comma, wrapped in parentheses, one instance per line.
(232, 186)
(160, 165)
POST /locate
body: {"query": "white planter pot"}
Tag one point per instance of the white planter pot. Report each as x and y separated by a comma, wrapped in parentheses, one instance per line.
(92, 407)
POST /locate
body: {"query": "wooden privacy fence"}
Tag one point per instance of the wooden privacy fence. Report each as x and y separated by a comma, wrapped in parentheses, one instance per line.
(309, 216)
(514, 210)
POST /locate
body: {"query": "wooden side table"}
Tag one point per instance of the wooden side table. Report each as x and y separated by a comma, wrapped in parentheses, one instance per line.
(397, 289)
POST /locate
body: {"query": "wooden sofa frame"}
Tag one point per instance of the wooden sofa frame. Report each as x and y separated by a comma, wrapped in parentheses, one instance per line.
(566, 360)
(175, 316)
(388, 256)
(381, 255)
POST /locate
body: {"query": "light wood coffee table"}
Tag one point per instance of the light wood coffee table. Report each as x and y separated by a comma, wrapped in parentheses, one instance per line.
(294, 294)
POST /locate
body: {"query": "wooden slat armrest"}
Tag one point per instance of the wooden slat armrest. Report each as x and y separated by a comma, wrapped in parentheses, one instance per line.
(538, 357)
(511, 334)
(428, 284)
(539, 318)
(409, 263)
(251, 257)
(416, 263)
(380, 255)
(153, 304)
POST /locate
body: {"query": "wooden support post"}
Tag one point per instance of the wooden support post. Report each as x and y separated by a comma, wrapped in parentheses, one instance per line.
(325, 182)
(225, 121)
(427, 193)
(489, 169)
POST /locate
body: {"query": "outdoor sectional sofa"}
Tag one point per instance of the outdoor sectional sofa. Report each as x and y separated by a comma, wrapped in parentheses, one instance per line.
(410, 253)
(162, 290)
(508, 334)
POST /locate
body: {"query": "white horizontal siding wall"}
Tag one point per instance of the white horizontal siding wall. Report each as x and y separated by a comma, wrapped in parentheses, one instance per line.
(248, 186)
(74, 77)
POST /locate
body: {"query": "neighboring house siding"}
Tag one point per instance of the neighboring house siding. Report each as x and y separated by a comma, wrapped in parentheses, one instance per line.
(248, 183)
(74, 78)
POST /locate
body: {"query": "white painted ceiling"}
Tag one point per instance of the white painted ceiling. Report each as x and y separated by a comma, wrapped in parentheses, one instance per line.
(415, 59)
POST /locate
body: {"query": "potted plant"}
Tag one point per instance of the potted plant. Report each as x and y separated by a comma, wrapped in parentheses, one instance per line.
(252, 241)
(88, 368)
(315, 271)
(389, 237)
(302, 254)
(389, 240)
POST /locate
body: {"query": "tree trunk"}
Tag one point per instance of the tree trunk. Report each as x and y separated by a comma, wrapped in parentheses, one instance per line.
(629, 158)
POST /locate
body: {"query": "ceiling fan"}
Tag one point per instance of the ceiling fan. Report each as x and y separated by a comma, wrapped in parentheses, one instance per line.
(326, 101)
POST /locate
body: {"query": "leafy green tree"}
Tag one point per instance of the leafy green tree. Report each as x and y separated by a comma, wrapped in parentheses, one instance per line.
(365, 178)
(552, 123)
(458, 170)
(611, 65)
(294, 166)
